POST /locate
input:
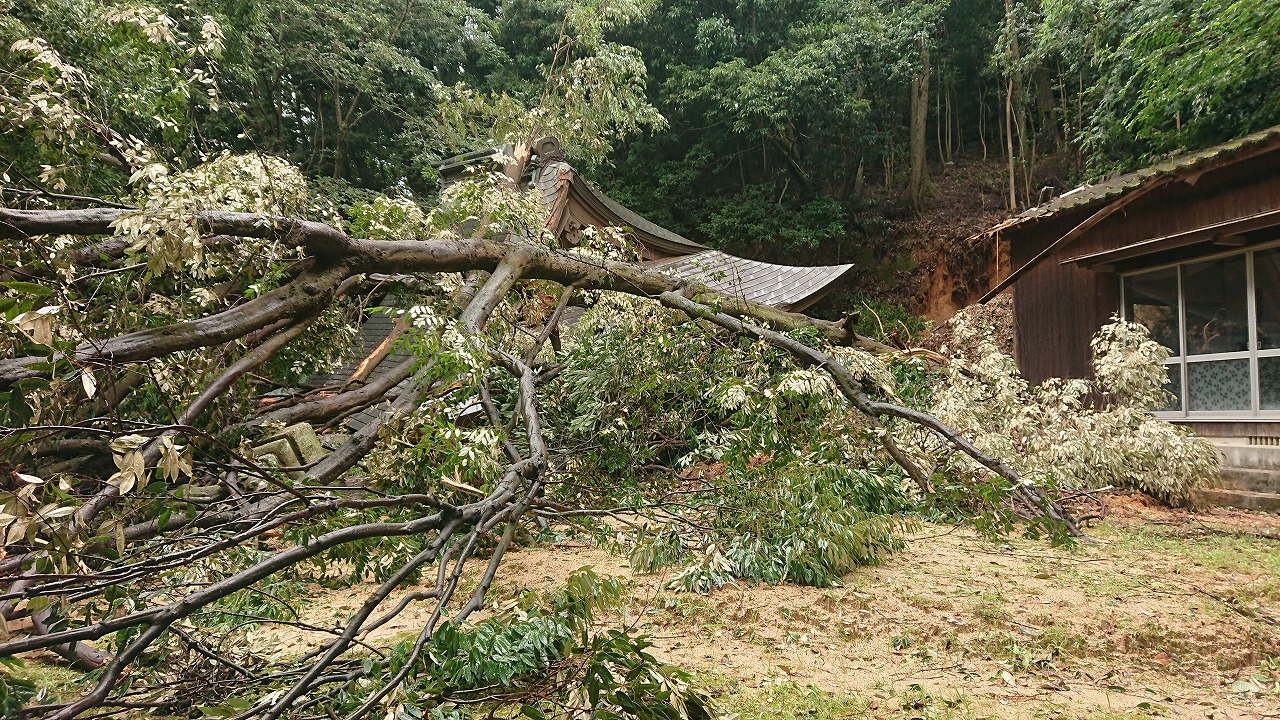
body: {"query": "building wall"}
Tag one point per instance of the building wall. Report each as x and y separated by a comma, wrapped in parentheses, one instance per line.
(1058, 308)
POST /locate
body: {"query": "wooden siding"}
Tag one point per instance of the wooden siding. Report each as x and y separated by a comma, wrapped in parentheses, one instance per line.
(1232, 429)
(1058, 308)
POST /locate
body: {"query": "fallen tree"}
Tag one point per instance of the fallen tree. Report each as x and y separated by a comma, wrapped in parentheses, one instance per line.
(184, 493)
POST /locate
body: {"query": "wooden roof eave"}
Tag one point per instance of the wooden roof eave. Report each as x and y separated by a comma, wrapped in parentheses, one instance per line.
(1224, 233)
(1187, 167)
(614, 213)
(1109, 197)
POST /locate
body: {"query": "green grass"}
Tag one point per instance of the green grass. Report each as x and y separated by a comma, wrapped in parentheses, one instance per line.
(54, 683)
(1230, 553)
(788, 700)
(1253, 563)
(991, 607)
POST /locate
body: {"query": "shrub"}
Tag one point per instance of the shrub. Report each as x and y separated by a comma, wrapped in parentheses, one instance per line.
(1075, 434)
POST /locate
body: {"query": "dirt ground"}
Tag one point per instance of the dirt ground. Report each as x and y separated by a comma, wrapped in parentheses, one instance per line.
(1163, 614)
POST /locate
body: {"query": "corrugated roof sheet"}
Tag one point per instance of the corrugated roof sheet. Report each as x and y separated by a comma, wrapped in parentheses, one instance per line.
(784, 286)
(1112, 188)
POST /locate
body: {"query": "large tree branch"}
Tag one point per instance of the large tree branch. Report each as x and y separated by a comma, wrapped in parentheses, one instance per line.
(310, 292)
(323, 241)
(852, 390)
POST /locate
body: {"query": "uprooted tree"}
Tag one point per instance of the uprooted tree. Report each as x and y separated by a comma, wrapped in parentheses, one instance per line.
(121, 495)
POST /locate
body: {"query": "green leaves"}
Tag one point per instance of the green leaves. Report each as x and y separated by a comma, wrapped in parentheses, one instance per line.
(546, 658)
(1161, 76)
(776, 481)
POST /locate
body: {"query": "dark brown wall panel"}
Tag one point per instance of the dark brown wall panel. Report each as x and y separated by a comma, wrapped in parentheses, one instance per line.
(1058, 308)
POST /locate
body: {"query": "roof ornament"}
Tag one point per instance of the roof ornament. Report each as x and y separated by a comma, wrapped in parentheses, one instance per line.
(548, 150)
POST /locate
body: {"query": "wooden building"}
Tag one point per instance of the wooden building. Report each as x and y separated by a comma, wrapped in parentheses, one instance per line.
(1190, 248)
(574, 204)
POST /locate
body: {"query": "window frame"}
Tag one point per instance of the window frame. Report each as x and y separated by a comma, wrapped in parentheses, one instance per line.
(1182, 360)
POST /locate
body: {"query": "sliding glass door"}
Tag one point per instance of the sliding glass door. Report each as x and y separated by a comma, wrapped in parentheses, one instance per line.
(1220, 320)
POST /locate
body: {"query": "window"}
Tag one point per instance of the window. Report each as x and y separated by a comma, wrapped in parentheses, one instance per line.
(1216, 302)
(1151, 299)
(1220, 320)
(1266, 283)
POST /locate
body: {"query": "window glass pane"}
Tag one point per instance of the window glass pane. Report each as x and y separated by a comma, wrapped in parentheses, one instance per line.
(1218, 385)
(1269, 382)
(1266, 283)
(1174, 386)
(1216, 306)
(1151, 299)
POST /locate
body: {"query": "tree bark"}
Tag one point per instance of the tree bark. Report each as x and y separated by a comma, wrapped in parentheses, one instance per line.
(919, 119)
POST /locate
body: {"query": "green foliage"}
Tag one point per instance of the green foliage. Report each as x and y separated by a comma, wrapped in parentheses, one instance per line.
(1164, 75)
(545, 656)
(343, 89)
(1053, 436)
(84, 78)
(778, 479)
(777, 118)
(386, 218)
(755, 215)
(888, 322)
(15, 692)
(809, 527)
(612, 673)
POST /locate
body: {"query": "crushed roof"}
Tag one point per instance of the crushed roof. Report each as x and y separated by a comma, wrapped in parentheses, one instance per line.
(783, 286)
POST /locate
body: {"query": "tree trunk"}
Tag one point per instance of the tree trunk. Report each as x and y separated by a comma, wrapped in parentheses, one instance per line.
(982, 122)
(1008, 136)
(919, 115)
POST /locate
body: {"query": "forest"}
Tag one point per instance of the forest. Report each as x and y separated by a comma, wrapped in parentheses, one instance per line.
(202, 203)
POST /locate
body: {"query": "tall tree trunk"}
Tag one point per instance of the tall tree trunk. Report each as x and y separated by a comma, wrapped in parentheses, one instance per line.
(937, 123)
(919, 114)
(950, 147)
(1008, 136)
(982, 121)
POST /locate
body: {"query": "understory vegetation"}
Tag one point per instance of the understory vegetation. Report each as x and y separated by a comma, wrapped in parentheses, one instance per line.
(202, 203)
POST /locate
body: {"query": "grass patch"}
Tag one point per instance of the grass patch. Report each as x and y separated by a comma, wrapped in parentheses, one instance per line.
(787, 700)
(917, 702)
(1235, 554)
(31, 682)
(991, 607)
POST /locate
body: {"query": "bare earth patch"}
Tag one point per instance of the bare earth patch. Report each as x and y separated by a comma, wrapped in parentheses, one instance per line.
(1166, 614)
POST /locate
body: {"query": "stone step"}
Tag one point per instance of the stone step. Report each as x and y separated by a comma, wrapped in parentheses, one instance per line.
(1265, 481)
(1254, 457)
(1243, 499)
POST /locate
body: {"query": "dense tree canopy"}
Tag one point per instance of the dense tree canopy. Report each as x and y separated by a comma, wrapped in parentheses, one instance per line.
(770, 129)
